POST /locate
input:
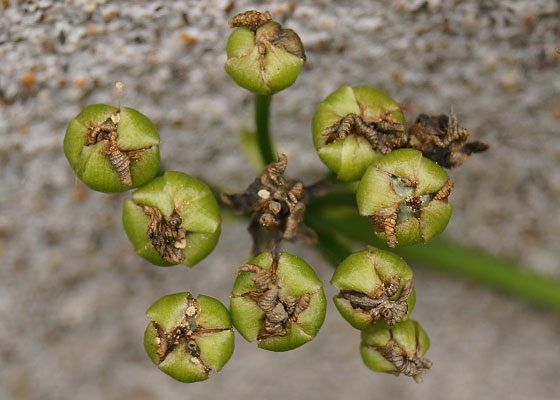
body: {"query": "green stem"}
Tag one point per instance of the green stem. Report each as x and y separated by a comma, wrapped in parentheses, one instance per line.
(262, 117)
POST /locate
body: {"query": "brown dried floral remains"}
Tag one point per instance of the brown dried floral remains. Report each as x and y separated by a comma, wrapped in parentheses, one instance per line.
(386, 224)
(414, 366)
(167, 236)
(120, 160)
(441, 139)
(381, 306)
(278, 206)
(251, 19)
(277, 312)
(380, 133)
(186, 332)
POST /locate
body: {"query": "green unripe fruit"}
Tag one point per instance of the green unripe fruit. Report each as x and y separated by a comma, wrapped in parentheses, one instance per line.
(279, 302)
(263, 59)
(397, 349)
(353, 127)
(375, 289)
(112, 150)
(173, 219)
(187, 338)
(405, 197)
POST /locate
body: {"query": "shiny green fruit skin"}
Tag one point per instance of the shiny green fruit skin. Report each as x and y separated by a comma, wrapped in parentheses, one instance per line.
(378, 194)
(91, 163)
(281, 68)
(365, 272)
(198, 209)
(349, 158)
(295, 278)
(215, 348)
(409, 335)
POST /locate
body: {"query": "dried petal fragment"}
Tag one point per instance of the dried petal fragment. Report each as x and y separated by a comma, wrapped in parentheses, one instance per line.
(381, 133)
(167, 237)
(278, 205)
(251, 19)
(381, 306)
(441, 139)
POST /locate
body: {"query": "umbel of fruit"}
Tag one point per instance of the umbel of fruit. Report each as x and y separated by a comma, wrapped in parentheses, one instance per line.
(187, 337)
(262, 56)
(397, 349)
(353, 127)
(111, 149)
(173, 219)
(405, 197)
(278, 301)
(376, 289)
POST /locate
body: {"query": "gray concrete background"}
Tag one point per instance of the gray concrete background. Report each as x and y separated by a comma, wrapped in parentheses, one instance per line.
(72, 291)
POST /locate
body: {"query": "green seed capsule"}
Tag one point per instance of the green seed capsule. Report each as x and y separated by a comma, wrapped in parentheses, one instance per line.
(262, 56)
(375, 289)
(111, 149)
(353, 127)
(187, 337)
(279, 302)
(405, 197)
(397, 349)
(173, 219)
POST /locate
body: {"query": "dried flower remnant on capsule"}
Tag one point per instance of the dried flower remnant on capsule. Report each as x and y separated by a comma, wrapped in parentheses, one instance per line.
(188, 337)
(277, 301)
(405, 196)
(353, 127)
(380, 134)
(278, 205)
(112, 149)
(263, 57)
(398, 349)
(441, 139)
(376, 289)
(251, 19)
(173, 219)
(167, 237)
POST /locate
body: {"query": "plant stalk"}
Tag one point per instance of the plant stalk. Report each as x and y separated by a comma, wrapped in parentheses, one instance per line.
(262, 118)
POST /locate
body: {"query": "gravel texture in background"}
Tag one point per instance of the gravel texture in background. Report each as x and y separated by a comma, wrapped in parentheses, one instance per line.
(72, 291)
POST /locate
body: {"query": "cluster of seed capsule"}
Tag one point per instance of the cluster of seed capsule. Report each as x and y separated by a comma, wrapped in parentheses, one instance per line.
(277, 299)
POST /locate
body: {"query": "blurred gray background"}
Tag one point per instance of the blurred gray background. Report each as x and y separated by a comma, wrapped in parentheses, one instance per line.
(72, 291)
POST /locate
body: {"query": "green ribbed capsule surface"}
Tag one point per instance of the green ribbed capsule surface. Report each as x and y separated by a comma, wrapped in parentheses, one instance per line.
(406, 197)
(187, 337)
(112, 150)
(188, 226)
(293, 296)
(397, 349)
(376, 289)
(348, 158)
(264, 61)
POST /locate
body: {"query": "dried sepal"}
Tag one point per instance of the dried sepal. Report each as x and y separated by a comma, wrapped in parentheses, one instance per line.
(405, 196)
(277, 301)
(188, 337)
(263, 57)
(278, 205)
(376, 289)
(398, 349)
(441, 139)
(251, 19)
(112, 149)
(353, 127)
(173, 219)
